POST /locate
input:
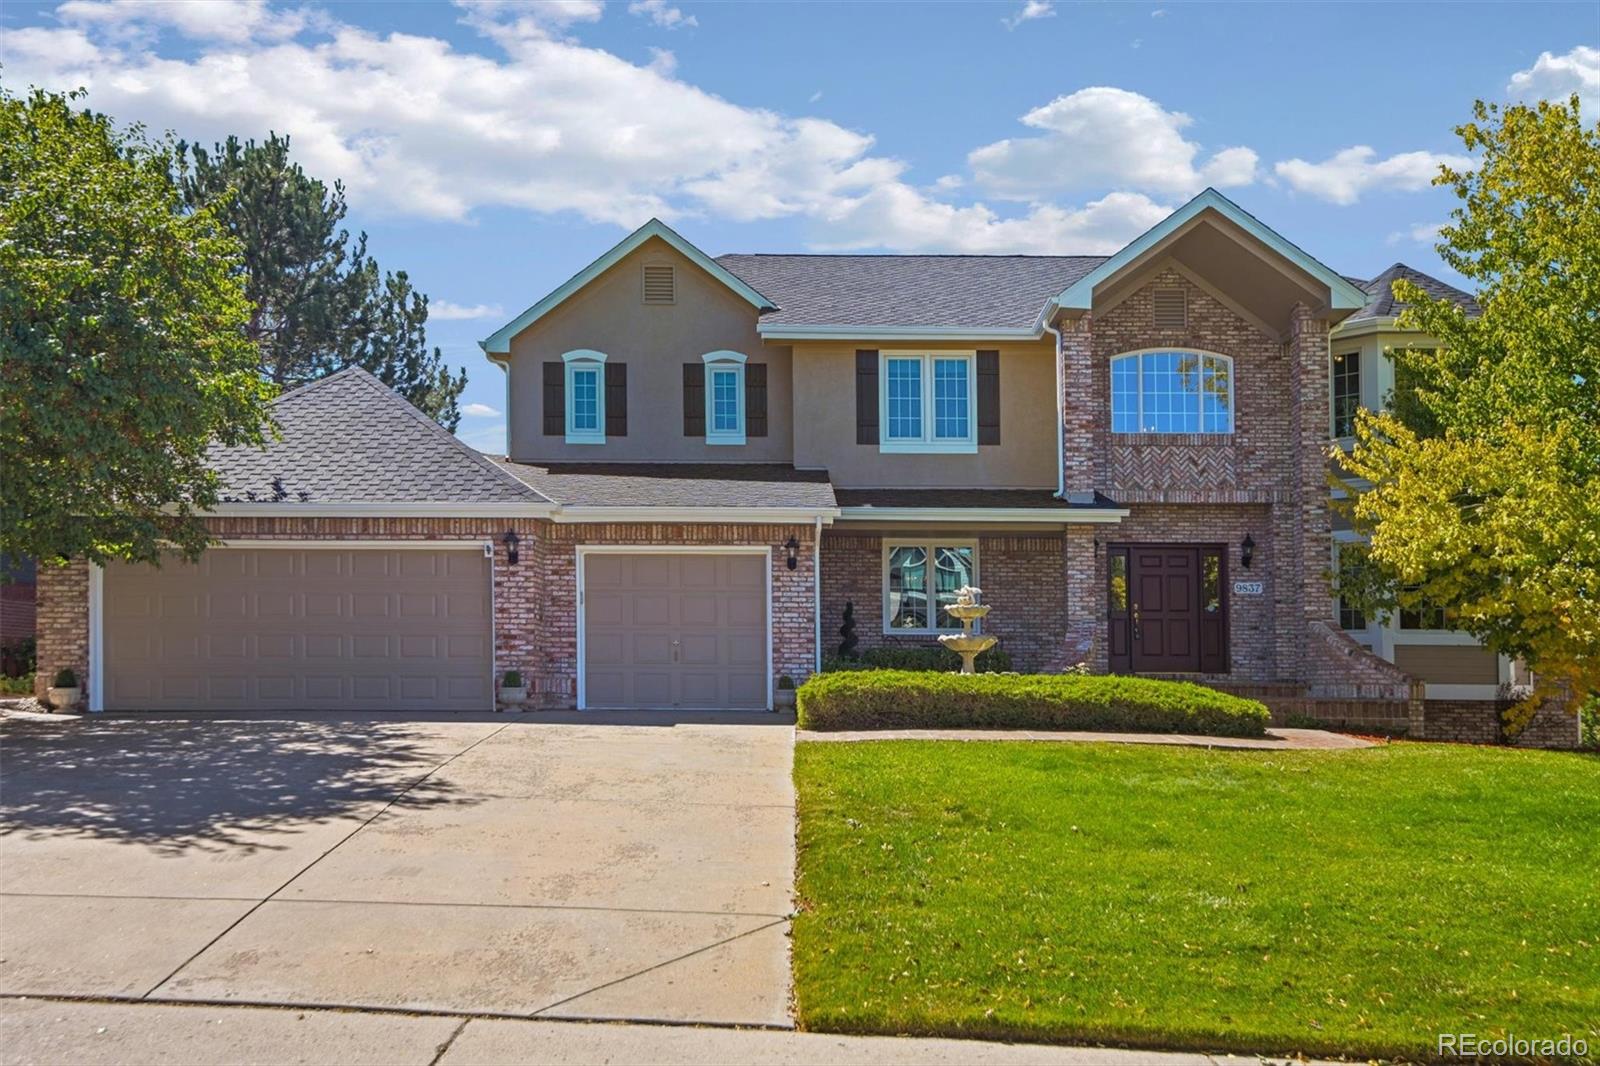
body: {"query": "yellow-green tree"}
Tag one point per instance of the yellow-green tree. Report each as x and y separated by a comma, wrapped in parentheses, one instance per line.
(1485, 497)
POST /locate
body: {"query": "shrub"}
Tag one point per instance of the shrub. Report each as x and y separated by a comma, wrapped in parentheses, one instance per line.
(1589, 723)
(917, 657)
(513, 679)
(786, 682)
(19, 657)
(66, 678)
(16, 686)
(907, 699)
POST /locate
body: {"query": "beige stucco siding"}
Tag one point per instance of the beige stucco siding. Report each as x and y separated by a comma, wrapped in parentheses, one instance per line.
(825, 421)
(609, 315)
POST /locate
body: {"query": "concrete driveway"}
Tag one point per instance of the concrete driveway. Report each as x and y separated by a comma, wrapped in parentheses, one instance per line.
(634, 867)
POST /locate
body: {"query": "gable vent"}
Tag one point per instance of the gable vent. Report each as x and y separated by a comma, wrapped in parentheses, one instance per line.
(1171, 309)
(659, 287)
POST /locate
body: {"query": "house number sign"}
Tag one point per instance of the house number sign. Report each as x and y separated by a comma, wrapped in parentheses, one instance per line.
(1247, 588)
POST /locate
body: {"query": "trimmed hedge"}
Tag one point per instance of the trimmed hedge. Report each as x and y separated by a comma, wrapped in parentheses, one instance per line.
(924, 657)
(906, 699)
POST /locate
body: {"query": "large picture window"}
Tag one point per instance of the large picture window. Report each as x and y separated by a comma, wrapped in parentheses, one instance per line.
(928, 402)
(1171, 392)
(920, 582)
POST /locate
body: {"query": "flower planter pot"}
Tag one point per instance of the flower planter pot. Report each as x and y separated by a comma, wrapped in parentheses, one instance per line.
(63, 699)
(513, 699)
(783, 699)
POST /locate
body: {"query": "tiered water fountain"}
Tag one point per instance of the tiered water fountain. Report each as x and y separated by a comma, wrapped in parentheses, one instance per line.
(967, 644)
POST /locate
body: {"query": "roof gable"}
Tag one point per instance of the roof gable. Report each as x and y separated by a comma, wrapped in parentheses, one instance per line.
(499, 342)
(1079, 296)
(1381, 302)
(350, 439)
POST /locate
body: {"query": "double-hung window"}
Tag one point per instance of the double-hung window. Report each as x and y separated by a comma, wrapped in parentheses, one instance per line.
(920, 579)
(724, 397)
(928, 402)
(1171, 392)
(586, 396)
(1346, 384)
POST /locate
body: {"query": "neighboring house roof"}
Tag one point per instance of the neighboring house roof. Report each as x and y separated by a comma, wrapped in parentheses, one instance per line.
(1079, 295)
(676, 486)
(349, 438)
(499, 342)
(995, 294)
(1380, 294)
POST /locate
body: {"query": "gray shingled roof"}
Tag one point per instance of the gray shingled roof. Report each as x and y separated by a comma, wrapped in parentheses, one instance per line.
(948, 499)
(676, 484)
(967, 291)
(1380, 293)
(349, 438)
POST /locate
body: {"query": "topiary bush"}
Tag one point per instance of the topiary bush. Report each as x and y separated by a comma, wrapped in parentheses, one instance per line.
(912, 699)
(917, 657)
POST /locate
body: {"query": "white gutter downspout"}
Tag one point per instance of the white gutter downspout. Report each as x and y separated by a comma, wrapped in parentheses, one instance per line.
(816, 595)
(1061, 413)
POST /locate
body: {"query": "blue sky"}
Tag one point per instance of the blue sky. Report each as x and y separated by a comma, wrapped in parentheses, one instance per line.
(491, 149)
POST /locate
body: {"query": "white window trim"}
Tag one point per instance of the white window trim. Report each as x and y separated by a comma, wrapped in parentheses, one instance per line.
(1139, 354)
(929, 544)
(724, 361)
(586, 359)
(928, 444)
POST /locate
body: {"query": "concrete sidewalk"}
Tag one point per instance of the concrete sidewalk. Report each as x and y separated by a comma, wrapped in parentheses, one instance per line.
(44, 1032)
(1277, 739)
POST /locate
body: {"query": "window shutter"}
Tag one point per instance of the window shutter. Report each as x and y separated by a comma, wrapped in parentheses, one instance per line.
(616, 399)
(755, 400)
(694, 399)
(555, 399)
(659, 287)
(989, 397)
(866, 396)
(1170, 309)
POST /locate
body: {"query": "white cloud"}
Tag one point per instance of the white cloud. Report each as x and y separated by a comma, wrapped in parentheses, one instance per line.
(204, 20)
(446, 311)
(1105, 137)
(1033, 9)
(1345, 175)
(479, 410)
(533, 119)
(662, 14)
(1554, 77)
(815, 96)
(1419, 233)
(491, 439)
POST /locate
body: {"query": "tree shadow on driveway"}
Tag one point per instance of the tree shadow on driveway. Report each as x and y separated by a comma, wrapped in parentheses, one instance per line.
(211, 784)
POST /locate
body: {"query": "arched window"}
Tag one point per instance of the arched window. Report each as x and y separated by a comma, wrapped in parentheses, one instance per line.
(585, 386)
(724, 397)
(1171, 391)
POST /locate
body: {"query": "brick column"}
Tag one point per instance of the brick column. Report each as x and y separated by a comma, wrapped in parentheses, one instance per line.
(1082, 459)
(1086, 606)
(63, 624)
(1305, 519)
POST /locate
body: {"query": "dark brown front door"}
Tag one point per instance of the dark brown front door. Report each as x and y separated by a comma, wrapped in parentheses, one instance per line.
(1166, 609)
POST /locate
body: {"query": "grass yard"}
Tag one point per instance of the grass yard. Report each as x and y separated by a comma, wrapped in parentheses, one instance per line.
(1349, 902)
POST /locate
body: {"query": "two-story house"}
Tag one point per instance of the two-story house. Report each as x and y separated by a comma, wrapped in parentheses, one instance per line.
(708, 458)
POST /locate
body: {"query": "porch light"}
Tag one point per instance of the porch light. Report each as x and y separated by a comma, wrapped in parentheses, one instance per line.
(794, 551)
(1247, 550)
(511, 540)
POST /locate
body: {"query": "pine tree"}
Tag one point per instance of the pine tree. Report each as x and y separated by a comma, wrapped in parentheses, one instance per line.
(320, 301)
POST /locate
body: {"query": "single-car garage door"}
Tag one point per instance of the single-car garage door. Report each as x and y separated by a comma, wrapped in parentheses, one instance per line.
(679, 630)
(302, 629)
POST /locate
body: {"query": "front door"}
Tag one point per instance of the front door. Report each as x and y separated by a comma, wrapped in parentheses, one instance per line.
(1166, 609)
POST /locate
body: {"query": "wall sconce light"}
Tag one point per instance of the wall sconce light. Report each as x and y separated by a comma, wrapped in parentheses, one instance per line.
(511, 540)
(1247, 550)
(794, 551)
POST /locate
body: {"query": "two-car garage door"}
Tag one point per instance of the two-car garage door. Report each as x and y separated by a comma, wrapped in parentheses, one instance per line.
(296, 629)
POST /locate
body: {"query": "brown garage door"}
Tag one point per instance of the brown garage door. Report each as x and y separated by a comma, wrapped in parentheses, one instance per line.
(301, 629)
(675, 631)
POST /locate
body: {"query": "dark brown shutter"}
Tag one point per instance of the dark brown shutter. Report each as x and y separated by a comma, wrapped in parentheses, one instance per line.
(988, 397)
(755, 400)
(616, 399)
(866, 396)
(694, 399)
(555, 399)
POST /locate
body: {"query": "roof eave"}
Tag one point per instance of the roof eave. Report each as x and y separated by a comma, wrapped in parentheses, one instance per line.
(370, 509)
(1079, 296)
(781, 332)
(1045, 515)
(752, 515)
(499, 342)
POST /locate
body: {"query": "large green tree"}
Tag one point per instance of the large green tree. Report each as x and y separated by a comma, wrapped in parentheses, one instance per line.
(321, 303)
(122, 321)
(1485, 498)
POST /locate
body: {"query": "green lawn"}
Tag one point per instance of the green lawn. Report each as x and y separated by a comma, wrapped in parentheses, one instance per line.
(1352, 902)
